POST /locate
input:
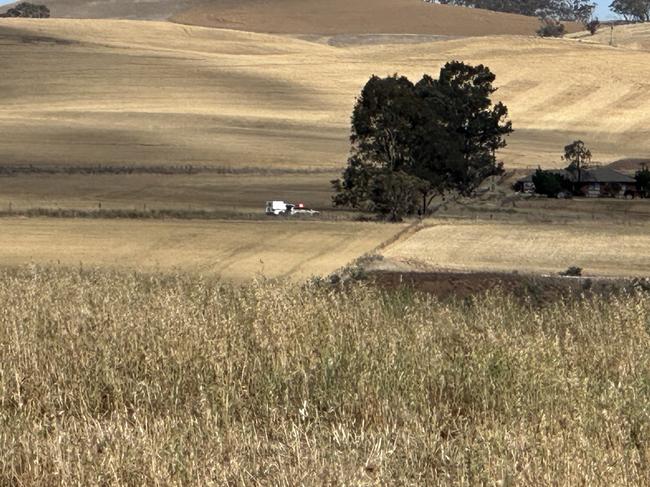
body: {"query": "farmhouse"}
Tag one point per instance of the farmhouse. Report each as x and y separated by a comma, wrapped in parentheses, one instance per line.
(597, 182)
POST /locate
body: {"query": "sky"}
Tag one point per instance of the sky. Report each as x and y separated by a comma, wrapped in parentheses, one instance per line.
(602, 12)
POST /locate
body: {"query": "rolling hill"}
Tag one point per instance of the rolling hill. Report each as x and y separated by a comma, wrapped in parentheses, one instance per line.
(311, 17)
(630, 36)
(117, 9)
(336, 17)
(88, 92)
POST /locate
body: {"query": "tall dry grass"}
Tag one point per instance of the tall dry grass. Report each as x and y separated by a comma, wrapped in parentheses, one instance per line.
(125, 379)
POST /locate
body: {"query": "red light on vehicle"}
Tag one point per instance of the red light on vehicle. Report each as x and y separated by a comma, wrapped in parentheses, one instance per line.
(301, 205)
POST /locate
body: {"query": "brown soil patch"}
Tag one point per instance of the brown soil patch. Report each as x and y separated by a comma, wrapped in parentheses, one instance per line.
(534, 288)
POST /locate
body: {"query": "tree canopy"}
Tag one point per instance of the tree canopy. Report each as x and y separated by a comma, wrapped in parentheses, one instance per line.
(642, 178)
(415, 141)
(574, 10)
(551, 183)
(551, 28)
(26, 9)
(579, 158)
(632, 9)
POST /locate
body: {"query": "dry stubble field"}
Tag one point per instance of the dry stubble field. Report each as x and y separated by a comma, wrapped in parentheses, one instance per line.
(129, 93)
(86, 92)
(126, 92)
(605, 248)
(313, 17)
(231, 194)
(623, 37)
(230, 250)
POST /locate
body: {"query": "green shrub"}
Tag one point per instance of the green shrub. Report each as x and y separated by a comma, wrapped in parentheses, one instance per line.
(551, 28)
(572, 271)
(550, 183)
(642, 178)
(592, 26)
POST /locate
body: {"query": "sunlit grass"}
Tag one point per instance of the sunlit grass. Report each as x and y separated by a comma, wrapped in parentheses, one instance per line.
(115, 378)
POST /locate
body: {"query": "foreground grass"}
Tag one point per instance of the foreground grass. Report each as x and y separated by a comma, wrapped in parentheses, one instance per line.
(131, 379)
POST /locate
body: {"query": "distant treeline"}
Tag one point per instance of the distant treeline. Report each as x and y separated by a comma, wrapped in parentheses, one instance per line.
(572, 10)
(28, 10)
(632, 10)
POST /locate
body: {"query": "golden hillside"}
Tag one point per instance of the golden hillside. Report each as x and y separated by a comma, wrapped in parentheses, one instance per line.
(309, 16)
(117, 9)
(631, 36)
(333, 17)
(127, 92)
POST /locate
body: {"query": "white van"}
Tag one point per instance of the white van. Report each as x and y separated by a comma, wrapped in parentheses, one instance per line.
(277, 207)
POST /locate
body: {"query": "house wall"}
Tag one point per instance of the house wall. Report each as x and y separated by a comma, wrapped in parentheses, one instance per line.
(604, 190)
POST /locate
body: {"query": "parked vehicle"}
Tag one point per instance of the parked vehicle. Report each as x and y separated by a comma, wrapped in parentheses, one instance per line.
(276, 207)
(300, 209)
(282, 208)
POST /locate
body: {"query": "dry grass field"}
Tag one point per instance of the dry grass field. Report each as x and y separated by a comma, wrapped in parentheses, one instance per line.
(123, 379)
(139, 352)
(125, 92)
(505, 205)
(232, 194)
(314, 17)
(120, 9)
(623, 37)
(230, 250)
(309, 16)
(601, 249)
(119, 92)
(108, 92)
